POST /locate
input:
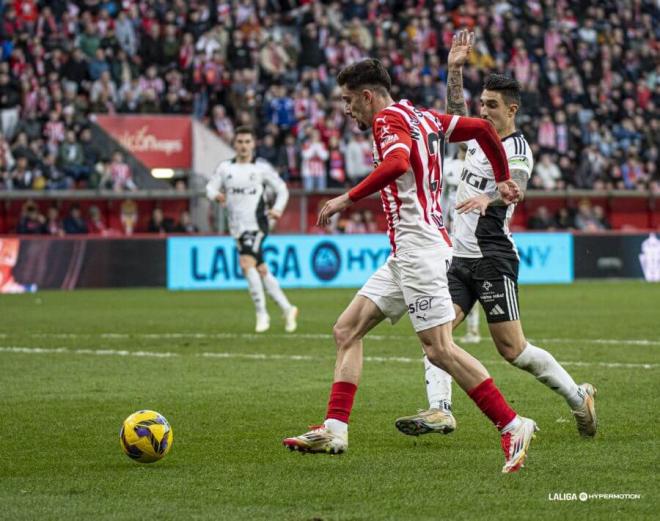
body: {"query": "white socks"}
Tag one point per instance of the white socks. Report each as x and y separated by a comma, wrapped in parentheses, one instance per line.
(533, 359)
(547, 370)
(275, 292)
(336, 426)
(256, 290)
(473, 320)
(438, 386)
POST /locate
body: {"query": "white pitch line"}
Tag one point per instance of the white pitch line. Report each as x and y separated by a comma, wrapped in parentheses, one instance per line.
(97, 352)
(267, 356)
(321, 336)
(608, 341)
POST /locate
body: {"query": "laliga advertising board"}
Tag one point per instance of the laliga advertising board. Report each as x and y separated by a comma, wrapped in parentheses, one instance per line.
(336, 261)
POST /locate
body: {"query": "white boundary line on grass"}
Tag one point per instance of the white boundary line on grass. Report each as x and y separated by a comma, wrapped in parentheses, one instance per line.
(318, 336)
(264, 356)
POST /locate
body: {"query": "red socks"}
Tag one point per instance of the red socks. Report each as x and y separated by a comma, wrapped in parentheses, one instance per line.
(491, 402)
(486, 395)
(341, 401)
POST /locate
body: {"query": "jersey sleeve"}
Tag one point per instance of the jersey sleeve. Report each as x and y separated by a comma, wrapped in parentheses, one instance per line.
(216, 184)
(462, 128)
(272, 180)
(519, 156)
(392, 166)
(391, 132)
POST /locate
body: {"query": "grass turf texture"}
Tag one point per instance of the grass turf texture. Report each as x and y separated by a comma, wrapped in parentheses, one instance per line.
(61, 412)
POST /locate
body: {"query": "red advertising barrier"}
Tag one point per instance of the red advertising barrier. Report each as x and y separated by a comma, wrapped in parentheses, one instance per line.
(157, 141)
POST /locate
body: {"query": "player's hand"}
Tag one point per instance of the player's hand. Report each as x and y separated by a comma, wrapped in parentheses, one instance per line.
(461, 46)
(221, 198)
(274, 214)
(332, 207)
(478, 202)
(509, 191)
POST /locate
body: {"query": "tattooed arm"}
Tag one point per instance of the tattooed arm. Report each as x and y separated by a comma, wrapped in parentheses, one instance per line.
(520, 177)
(458, 54)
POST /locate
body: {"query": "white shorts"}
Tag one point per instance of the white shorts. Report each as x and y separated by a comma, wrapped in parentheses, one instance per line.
(413, 281)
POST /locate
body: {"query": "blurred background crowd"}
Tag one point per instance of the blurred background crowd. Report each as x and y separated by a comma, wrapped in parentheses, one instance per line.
(589, 71)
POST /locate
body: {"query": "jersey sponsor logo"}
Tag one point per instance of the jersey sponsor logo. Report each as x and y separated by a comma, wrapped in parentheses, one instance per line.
(388, 139)
(474, 180)
(242, 191)
(486, 285)
(326, 261)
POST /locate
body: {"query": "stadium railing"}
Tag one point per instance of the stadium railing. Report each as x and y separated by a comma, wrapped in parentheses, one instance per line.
(625, 210)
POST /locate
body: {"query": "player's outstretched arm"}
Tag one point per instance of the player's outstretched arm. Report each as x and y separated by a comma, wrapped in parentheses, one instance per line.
(459, 53)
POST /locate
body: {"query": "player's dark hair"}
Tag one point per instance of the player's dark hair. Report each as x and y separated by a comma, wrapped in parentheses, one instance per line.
(368, 73)
(245, 129)
(508, 87)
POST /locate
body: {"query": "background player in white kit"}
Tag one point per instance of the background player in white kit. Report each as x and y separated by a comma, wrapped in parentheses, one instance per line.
(451, 176)
(485, 261)
(240, 184)
(408, 151)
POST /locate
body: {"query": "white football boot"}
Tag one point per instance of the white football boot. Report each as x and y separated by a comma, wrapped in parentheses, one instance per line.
(263, 323)
(515, 445)
(290, 319)
(319, 440)
(425, 422)
(585, 415)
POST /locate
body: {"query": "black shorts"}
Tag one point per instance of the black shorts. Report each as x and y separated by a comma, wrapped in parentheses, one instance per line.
(493, 281)
(252, 243)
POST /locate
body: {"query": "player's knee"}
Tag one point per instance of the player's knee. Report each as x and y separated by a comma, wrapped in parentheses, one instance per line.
(439, 353)
(344, 335)
(244, 264)
(262, 269)
(509, 348)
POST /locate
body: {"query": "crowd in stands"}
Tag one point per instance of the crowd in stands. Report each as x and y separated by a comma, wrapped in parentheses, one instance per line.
(585, 218)
(589, 74)
(76, 222)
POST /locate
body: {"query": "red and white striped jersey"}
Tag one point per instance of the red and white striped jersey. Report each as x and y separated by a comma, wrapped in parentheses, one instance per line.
(412, 201)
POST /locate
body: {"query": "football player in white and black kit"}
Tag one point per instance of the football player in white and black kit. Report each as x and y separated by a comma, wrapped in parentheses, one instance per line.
(485, 260)
(241, 185)
(451, 170)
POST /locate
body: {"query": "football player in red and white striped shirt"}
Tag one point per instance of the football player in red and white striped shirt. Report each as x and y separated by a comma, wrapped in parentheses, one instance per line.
(408, 143)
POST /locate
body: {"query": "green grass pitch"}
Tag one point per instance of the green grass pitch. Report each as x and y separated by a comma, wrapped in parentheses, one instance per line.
(74, 365)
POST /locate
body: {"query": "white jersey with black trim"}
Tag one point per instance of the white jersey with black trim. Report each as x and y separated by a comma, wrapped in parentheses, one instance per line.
(475, 235)
(245, 186)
